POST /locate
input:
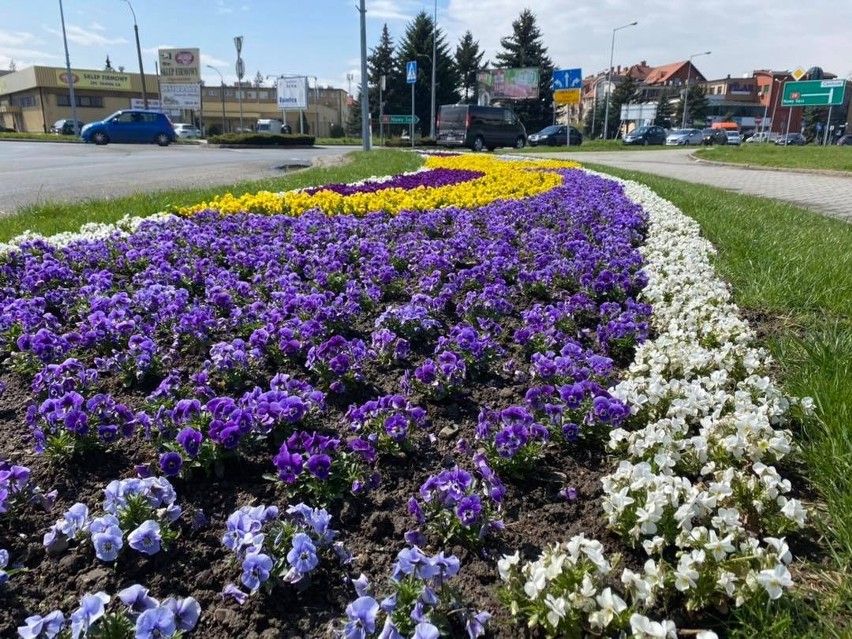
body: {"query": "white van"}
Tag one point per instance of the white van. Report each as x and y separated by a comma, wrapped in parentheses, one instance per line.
(763, 136)
(272, 126)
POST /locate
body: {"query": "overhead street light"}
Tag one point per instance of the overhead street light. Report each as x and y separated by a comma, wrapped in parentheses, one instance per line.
(241, 70)
(609, 72)
(686, 93)
(139, 55)
(432, 123)
(70, 76)
(221, 94)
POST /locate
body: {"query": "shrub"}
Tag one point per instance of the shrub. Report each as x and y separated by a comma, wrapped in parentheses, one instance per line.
(262, 139)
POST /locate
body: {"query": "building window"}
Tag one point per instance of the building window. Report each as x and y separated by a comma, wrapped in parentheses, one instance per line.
(23, 100)
(264, 95)
(89, 101)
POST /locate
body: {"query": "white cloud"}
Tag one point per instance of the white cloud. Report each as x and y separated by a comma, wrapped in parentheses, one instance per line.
(85, 37)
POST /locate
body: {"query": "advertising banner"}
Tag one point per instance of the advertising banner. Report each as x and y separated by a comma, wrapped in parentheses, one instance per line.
(181, 96)
(94, 79)
(292, 93)
(508, 84)
(180, 66)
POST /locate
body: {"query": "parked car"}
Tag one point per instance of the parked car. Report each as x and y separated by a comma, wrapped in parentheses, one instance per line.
(844, 140)
(714, 136)
(734, 137)
(685, 137)
(645, 135)
(479, 127)
(183, 130)
(66, 127)
(555, 135)
(131, 125)
(762, 136)
(792, 139)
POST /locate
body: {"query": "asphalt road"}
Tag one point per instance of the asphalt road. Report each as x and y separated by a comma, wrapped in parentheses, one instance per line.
(41, 172)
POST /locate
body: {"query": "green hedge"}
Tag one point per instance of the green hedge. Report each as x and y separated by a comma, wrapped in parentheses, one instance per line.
(399, 142)
(262, 139)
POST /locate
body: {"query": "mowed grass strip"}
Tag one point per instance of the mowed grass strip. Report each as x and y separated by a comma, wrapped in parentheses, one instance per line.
(52, 218)
(791, 274)
(810, 156)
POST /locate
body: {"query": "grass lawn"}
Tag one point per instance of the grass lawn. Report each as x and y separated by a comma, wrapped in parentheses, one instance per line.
(791, 274)
(834, 158)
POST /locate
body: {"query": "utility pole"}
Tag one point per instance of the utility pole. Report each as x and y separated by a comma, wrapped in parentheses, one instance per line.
(365, 97)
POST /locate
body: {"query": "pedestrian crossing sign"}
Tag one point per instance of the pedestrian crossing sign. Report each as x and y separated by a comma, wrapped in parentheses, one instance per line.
(411, 71)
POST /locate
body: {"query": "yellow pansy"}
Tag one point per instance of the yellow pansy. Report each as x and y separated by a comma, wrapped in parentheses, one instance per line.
(501, 179)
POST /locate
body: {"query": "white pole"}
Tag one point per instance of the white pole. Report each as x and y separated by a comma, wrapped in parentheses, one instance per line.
(70, 76)
(827, 125)
(411, 124)
(608, 72)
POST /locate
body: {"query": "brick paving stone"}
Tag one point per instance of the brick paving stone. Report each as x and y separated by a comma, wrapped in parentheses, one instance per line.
(827, 194)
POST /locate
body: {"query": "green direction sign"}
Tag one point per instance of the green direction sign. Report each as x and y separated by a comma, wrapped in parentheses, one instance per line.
(813, 93)
(400, 119)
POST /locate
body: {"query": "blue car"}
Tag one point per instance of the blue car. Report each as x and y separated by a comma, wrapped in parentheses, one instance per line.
(131, 126)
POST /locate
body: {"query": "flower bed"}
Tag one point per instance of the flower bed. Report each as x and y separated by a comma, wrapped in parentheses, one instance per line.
(441, 376)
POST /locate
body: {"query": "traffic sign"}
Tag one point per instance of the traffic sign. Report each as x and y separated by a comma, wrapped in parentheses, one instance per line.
(411, 71)
(566, 96)
(567, 79)
(813, 93)
(400, 119)
(798, 73)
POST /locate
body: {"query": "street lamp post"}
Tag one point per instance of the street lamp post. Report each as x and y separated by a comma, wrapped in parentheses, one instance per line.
(775, 105)
(686, 93)
(69, 76)
(432, 64)
(240, 69)
(221, 93)
(139, 55)
(766, 107)
(434, 60)
(608, 72)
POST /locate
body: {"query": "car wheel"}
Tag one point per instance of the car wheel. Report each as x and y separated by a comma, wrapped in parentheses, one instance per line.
(162, 139)
(520, 143)
(478, 143)
(100, 138)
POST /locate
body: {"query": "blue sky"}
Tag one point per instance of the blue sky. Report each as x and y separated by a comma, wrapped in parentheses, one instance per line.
(320, 38)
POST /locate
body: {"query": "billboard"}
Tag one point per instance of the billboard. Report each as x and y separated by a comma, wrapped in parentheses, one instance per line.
(94, 79)
(180, 66)
(180, 96)
(292, 93)
(508, 84)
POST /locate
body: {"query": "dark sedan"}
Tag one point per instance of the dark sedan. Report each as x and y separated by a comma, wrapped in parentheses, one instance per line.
(645, 136)
(715, 136)
(555, 135)
(792, 139)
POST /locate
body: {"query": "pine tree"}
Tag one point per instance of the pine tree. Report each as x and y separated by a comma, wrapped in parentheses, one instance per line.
(696, 105)
(665, 111)
(353, 123)
(380, 63)
(623, 93)
(417, 45)
(525, 49)
(468, 62)
(258, 80)
(12, 66)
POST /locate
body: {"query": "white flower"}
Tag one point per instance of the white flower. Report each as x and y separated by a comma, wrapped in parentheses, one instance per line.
(536, 583)
(506, 564)
(780, 547)
(646, 629)
(706, 634)
(557, 609)
(610, 606)
(774, 580)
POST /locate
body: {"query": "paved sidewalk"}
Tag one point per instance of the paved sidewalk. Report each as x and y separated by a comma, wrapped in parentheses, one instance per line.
(831, 195)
